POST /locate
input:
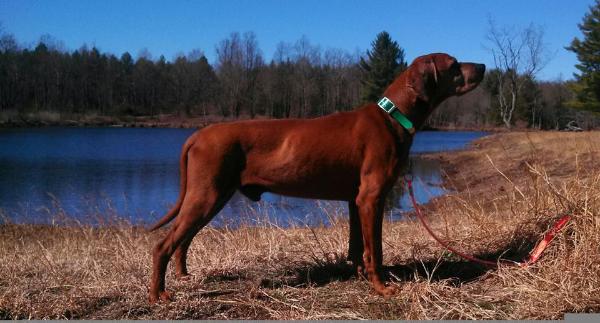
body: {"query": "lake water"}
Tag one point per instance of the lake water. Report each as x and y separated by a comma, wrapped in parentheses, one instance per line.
(92, 174)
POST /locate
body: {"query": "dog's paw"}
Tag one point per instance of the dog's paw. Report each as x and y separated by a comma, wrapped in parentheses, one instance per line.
(163, 296)
(153, 299)
(389, 291)
(385, 291)
(166, 297)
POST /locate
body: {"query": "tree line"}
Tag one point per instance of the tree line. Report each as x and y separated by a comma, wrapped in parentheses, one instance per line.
(300, 80)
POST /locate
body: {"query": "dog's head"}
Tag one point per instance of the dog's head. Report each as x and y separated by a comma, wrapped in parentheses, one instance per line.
(436, 77)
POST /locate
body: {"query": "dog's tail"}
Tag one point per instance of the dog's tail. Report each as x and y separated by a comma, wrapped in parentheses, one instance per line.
(182, 186)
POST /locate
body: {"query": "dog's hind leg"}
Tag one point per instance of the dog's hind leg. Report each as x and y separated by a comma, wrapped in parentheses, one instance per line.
(195, 213)
(180, 255)
(180, 258)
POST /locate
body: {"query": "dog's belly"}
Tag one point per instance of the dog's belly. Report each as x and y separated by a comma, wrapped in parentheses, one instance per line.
(300, 180)
(333, 190)
(341, 193)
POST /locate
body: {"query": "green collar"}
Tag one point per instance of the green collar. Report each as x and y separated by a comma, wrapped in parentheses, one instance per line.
(388, 106)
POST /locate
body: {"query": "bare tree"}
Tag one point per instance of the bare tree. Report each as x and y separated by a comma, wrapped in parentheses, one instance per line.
(230, 71)
(307, 60)
(252, 64)
(239, 60)
(282, 52)
(518, 56)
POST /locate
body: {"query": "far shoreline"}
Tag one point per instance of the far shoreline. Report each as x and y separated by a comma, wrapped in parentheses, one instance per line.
(173, 121)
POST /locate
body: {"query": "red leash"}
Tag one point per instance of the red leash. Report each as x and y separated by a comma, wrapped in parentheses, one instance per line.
(534, 255)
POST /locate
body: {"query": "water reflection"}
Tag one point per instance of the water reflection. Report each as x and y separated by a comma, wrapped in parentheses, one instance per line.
(133, 174)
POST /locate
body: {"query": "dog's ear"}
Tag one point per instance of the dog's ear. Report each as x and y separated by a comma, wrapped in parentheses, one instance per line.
(424, 78)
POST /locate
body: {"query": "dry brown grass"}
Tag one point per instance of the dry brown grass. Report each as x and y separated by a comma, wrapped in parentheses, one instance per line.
(300, 273)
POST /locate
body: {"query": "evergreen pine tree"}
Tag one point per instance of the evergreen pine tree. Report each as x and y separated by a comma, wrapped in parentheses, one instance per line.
(384, 61)
(587, 87)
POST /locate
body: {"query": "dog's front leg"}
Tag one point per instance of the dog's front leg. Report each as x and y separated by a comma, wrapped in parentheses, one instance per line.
(355, 241)
(370, 202)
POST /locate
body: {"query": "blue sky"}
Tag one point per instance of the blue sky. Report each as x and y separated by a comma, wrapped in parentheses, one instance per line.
(170, 27)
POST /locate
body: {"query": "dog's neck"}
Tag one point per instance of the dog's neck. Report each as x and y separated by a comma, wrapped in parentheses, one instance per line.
(408, 102)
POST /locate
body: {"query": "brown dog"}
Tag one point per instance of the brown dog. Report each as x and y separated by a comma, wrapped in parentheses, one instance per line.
(351, 156)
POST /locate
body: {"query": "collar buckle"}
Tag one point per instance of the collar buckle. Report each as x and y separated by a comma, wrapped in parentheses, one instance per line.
(387, 105)
(390, 108)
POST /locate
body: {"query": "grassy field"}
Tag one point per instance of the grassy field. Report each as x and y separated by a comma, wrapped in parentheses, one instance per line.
(507, 190)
